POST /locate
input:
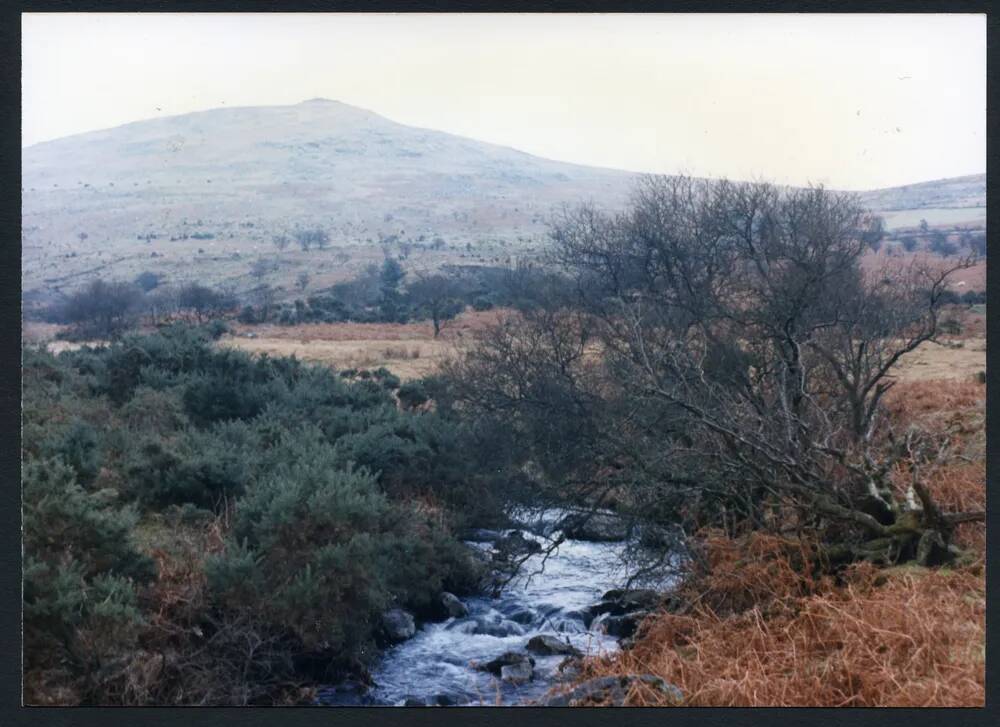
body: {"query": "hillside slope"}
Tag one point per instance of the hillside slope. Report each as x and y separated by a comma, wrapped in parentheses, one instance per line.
(202, 195)
(245, 174)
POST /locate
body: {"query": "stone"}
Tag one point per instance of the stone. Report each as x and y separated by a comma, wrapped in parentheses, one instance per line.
(674, 694)
(514, 545)
(447, 700)
(519, 673)
(612, 690)
(548, 645)
(524, 617)
(633, 598)
(596, 527)
(508, 658)
(500, 630)
(618, 602)
(398, 624)
(625, 625)
(654, 536)
(453, 606)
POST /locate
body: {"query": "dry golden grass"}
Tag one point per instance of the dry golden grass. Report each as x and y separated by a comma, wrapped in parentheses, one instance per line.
(414, 360)
(409, 350)
(956, 410)
(934, 362)
(762, 634)
(759, 629)
(972, 278)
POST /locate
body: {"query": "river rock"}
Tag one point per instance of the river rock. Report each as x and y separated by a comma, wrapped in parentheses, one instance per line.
(500, 629)
(612, 690)
(398, 624)
(523, 617)
(519, 673)
(625, 625)
(655, 536)
(453, 606)
(448, 700)
(633, 598)
(597, 527)
(508, 658)
(548, 645)
(514, 545)
(618, 602)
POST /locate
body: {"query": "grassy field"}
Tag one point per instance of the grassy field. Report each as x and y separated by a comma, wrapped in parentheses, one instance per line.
(410, 350)
(934, 215)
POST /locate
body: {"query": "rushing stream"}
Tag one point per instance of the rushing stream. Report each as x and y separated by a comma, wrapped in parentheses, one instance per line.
(436, 666)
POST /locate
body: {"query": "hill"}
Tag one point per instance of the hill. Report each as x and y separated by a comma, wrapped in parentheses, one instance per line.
(243, 175)
(955, 192)
(202, 196)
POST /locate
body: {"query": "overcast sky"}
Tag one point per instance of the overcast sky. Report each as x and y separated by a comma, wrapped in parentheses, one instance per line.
(853, 101)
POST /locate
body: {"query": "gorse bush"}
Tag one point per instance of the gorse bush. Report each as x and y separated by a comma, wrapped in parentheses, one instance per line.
(320, 501)
(81, 570)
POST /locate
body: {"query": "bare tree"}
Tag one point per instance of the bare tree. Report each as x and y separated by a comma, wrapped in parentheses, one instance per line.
(265, 296)
(202, 301)
(436, 296)
(302, 280)
(160, 303)
(729, 351)
(102, 308)
(260, 268)
(315, 237)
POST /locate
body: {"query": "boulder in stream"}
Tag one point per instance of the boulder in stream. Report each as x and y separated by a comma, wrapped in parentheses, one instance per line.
(618, 602)
(519, 673)
(508, 658)
(398, 624)
(625, 625)
(546, 645)
(598, 527)
(453, 606)
(514, 546)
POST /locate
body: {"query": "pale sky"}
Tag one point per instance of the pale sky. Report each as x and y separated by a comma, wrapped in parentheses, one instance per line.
(852, 101)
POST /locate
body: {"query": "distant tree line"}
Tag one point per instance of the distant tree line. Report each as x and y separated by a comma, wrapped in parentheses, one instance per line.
(108, 309)
(388, 293)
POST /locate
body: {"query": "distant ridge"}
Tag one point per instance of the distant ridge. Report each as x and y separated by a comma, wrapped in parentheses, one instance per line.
(242, 175)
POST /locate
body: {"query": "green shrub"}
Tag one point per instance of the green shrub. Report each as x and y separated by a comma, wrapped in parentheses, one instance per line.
(80, 568)
(79, 447)
(386, 378)
(314, 480)
(216, 329)
(201, 468)
(412, 394)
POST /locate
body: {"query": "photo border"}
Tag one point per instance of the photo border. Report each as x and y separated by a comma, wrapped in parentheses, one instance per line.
(11, 713)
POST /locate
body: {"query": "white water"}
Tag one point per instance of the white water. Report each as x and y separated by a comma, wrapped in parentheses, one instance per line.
(546, 598)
